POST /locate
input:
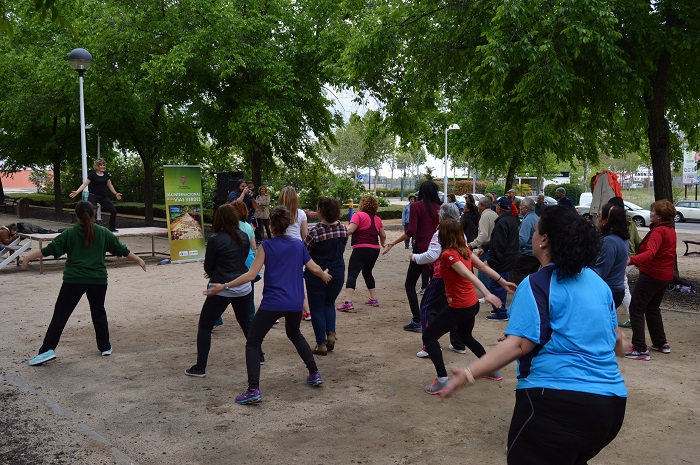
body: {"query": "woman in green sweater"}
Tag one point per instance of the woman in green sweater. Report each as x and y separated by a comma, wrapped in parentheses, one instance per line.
(84, 273)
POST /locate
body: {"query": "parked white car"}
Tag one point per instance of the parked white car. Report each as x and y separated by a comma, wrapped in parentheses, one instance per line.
(688, 210)
(640, 216)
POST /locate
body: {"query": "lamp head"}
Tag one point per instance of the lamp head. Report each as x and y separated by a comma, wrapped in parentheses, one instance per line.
(80, 60)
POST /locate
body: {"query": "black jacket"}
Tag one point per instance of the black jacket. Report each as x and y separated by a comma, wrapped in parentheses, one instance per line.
(504, 245)
(225, 258)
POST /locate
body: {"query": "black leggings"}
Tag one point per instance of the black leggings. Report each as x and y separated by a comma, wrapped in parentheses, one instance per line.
(414, 272)
(259, 236)
(68, 298)
(554, 427)
(212, 309)
(107, 206)
(263, 321)
(461, 318)
(362, 259)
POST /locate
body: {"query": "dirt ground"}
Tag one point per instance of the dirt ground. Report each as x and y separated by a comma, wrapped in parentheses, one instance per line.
(137, 406)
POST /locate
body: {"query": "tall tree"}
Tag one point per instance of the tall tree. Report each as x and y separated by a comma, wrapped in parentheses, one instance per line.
(571, 77)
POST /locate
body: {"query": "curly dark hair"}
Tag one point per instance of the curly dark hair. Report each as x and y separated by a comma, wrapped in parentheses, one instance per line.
(280, 219)
(615, 221)
(574, 242)
(329, 209)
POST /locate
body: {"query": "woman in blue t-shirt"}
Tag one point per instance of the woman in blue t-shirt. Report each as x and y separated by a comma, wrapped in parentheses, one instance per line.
(283, 296)
(570, 397)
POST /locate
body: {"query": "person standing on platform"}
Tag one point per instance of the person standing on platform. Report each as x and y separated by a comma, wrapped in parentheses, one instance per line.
(101, 183)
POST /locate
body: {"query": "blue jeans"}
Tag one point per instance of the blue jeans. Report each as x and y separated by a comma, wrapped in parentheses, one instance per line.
(322, 307)
(481, 275)
(499, 292)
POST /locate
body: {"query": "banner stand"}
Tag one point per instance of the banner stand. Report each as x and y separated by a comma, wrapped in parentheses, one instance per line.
(183, 206)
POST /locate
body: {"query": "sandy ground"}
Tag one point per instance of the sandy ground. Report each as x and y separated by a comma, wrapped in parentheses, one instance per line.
(137, 406)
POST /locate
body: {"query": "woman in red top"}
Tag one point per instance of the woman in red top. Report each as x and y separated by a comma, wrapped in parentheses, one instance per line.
(656, 259)
(462, 301)
(423, 220)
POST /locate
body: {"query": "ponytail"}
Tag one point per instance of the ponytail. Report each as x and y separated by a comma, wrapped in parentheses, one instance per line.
(85, 213)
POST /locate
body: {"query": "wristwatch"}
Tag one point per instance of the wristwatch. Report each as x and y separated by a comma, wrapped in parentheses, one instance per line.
(226, 288)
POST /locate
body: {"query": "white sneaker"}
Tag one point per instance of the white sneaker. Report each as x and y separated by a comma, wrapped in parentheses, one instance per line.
(107, 352)
(459, 351)
(422, 354)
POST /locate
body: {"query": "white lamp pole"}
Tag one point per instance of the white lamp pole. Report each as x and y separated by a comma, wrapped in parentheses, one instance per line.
(454, 126)
(81, 60)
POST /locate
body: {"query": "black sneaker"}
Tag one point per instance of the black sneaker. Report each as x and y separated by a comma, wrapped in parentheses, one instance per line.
(196, 372)
(413, 327)
(114, 229)
(499, 316)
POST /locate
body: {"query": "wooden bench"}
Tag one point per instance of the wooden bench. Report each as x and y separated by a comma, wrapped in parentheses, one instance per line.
(687, 244)
(124, 232)
(8, 205)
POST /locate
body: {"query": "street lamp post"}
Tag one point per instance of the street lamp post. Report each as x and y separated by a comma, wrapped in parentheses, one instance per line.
(80, 60)
(452, 127)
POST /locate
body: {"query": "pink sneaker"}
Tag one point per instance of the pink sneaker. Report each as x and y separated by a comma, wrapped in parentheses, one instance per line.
(372, 302)
(345, 306)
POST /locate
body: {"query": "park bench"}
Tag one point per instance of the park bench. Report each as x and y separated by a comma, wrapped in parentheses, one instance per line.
(687, 245)
(8, 205)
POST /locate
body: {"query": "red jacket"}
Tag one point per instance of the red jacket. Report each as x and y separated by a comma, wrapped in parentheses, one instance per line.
(657, 253)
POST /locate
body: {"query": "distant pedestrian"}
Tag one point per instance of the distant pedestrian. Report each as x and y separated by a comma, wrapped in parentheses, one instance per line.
(562, 199)
(262, 214)
(405, 216)
(526, 263)
(503, 251)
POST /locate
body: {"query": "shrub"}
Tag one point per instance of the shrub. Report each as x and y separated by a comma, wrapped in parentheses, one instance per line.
(497, 188)
(573, 191)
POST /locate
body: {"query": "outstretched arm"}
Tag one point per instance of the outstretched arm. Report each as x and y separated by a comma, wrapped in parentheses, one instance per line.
(135, 258)
(30, 256)
(255, 267)
(491, 273)
(512, 348)
(391, 244)
(79, 189)
(463, 271)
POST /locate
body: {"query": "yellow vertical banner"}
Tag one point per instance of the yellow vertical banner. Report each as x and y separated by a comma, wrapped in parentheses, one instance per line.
(183, 206)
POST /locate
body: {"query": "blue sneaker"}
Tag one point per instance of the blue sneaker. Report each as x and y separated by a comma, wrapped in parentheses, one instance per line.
(43, 358)
(314, 379)
(249, 397)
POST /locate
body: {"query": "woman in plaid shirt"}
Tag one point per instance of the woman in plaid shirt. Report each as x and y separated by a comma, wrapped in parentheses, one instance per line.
(326, 243)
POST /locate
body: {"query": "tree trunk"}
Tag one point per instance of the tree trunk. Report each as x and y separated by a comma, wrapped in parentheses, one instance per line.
(256, 167)
(2, 191)
(510, 177)
(658, 131)
(57, 162)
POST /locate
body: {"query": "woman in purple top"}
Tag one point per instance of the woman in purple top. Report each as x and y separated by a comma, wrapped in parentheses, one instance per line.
(283, 296)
